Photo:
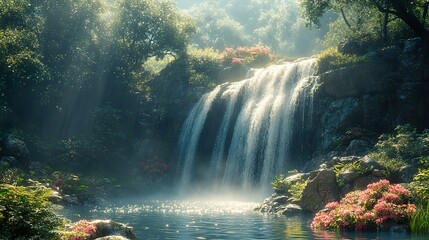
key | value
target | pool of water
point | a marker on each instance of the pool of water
(173, 219)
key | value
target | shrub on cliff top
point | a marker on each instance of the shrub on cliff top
(331, 58)
(257, 56)
(380, 204)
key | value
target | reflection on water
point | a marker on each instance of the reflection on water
(214, 220)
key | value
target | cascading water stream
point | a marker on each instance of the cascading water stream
(253, 122)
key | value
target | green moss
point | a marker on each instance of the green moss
(331, 58)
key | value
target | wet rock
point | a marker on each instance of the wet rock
(321, 188)
(112, 238)
(358, 148)
(296, 178)
(281, 199)
(290, 210)
(108, 228)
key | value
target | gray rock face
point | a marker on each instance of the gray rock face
(321, 188)
(355, 80)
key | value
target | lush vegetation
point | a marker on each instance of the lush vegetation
(292, 188)
(404, 145)
(26, 213)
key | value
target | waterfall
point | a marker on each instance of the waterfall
(239, 134)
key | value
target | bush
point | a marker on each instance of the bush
(395, 150)
(380, 204)
(257, 56)
(293, 189)
(331, 58)
(419, 186)
(26, 213)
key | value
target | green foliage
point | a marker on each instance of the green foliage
(9, 175)
(331, 58)
(394, 150)
(279, 184)
(390, 167)
(204, 65)
(276, 24)
(419, 186)
(355, 166)
(368, 20)
(404, 144)
(25, 213)
(294, 189)
(419, 222)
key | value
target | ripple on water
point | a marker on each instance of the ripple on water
(214, 220)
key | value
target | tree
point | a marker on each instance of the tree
(216, 28)
(22, 72)
(405, 10)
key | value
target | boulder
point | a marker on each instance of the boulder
(353, 47)
(358, 148)
(289, 210)
(348, 176)
(114, 237)
(13, 147)
(110, 228)
(321, 188)
(406, 173)
(369, 163)
(362, 183)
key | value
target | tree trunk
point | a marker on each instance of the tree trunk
(384, 28)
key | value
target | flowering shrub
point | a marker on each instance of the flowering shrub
(381, 203)
(153, 167)
(258, 56)
(80, 230)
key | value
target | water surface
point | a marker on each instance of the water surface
(173, 219)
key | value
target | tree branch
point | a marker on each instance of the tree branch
(385, 10)
(345, 19)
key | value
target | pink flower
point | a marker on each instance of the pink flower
(332, 205)
(237, 60)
